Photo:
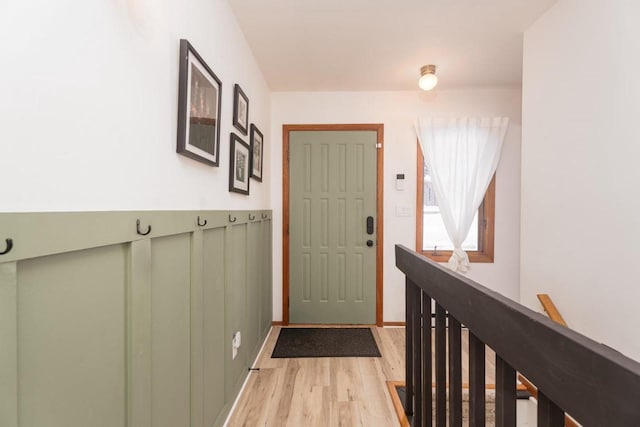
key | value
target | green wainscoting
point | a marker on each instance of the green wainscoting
(102, 326)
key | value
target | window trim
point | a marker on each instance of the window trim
(486, 215)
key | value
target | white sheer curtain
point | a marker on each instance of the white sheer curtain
(462, 155)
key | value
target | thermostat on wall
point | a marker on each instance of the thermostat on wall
(400, 181)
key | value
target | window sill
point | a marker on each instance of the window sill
(474, 256)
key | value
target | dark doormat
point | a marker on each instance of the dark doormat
(325, 342)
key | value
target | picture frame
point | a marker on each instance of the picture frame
(239, 165)
(199, 102)
(256, 142)
(240, 109)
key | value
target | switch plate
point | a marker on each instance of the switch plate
(403, 210)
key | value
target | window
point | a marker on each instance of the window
(431, 236)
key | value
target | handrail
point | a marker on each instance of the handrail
(554, 314)
(593, 383)
(551, 309)
(533, 391)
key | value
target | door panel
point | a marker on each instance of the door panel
(332, 191)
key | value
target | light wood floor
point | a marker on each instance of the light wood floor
(328, 391)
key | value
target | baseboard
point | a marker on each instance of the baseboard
(393, 323)
(277, 323)
(246, 380)
(329, 325)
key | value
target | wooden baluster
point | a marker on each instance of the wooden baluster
(505, 394)
(417, 355)
(427, 355)
(549, 414)
(441, 367)
(409, 347)
(455, 373)
(477, 393)
(538, 347)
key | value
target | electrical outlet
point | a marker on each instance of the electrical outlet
(236, 341)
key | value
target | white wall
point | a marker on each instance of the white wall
(580, 175)
(398, 111)
(88, 105)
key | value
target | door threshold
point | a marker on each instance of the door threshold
(328, 325)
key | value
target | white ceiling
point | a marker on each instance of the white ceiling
(338, 45)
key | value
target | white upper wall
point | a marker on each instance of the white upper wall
(398, 112)
(88, 105)
(580, 222)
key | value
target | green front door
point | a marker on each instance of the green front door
(332, 192)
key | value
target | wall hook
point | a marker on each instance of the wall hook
(251, 217)
(9, 243)
(140, 232)
(198, 222)
(232, 219)
(265, 216)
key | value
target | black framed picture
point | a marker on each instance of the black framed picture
(239, 165)
(256, 153)
(240, 109)
(199, 98)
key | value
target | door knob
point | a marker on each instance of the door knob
(369, 243)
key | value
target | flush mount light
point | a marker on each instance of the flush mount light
(428, 79)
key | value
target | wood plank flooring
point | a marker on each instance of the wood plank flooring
(346, 391)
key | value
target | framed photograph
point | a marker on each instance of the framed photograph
(239, 165)
(240, 109)
(199, 98)
(256, 153)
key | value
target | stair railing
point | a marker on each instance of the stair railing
(554, 314)
(593, 383)
(551, 309)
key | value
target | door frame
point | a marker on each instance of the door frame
(379, 128)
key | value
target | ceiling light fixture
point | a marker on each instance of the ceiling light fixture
(428, 79)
